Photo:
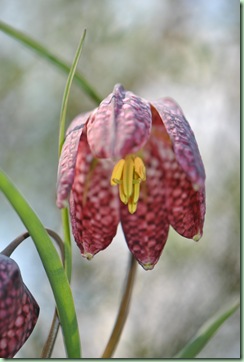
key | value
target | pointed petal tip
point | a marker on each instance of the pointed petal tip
(88, 256)
(197, 237)
(147, 266)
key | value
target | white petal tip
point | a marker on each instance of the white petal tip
(147, 266)
(88, 256)
(197, 237)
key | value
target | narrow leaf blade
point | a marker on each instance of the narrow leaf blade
(52, 58)
(205, 333)
(62, 127)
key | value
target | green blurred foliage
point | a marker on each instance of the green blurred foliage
(186, 49)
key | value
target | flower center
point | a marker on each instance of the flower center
(128, 174)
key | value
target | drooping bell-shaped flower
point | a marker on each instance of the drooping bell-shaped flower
(18, 309)
(134, 162)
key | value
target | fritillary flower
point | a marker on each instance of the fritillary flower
(134, 162)
(18, 309)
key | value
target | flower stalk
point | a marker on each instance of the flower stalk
(122, 312)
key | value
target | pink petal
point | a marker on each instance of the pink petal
(186, 206)
(146, 230)
(93, 203)
(66, 167)
(18, 309)
(183, 139)
(120, 125)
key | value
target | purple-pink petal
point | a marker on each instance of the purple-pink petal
(185, 204)
(183, 140)
(120, 125)
(93, 203)
(66, 167)
(173, 193)
(18, 309)
(147, 229)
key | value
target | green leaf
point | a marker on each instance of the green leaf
(52, 264)
(62, 127)
(205, 333)
(46, 54)
(67, 92)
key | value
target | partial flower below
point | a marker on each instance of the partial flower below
(18, 309)
(134, 162)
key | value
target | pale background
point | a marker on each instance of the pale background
(186, 49)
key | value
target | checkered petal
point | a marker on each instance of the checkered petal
(120, 125)
(146, 230)
(18, 309)
(183, 140)
(185, 204)
(66, 167)
(93, 203)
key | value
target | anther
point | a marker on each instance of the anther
(117, 172)
(128, 174)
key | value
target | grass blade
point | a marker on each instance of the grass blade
(46, 54)
(205, 333)
(62, 127)
(67, 92)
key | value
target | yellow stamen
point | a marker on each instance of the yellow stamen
(136, 193)
(117, 172)
(128, 174)
(140, 169)
(122, 196)
(132, 207)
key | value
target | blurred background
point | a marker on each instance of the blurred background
(185, 49)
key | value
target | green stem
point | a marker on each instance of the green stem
(51, 263)
(45, 53)
(123, 311)
(67, 243)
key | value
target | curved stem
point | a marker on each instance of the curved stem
(50, 341)
(17, 241)
(123, 311)
(14, 244)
